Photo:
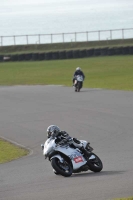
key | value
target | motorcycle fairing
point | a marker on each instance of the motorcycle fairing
(48, 146)
(79, 78)
(76, 157)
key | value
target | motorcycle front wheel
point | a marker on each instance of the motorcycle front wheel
(95, 164)
(65, 169)
(79, 86)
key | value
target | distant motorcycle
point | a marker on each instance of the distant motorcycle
(78, 83)
(66, 160)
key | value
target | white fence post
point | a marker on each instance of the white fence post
(1, 40)
(87, 35)
(122, 33)
(14, 40)
(27, 38)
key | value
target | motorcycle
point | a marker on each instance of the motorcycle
(66, 160)
(78, 82)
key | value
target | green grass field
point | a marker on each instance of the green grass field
(128, 198)
(10, 152)
(114, 72)
(13, 49)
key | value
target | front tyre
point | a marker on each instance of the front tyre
(55, 172)
(65, 169)
(79, 85)
(95, 164)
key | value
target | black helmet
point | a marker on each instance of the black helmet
(53, 130)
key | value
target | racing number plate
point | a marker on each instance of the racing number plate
(78, 159)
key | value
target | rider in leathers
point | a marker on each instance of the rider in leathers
(62, 136)
(78, 72)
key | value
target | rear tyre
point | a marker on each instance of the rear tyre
(95, 164)
(65, 169)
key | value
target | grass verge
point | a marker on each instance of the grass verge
(9, 152)
(127, 198)
(64, 46)
(114, 72)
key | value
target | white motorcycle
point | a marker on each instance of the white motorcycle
(78, 82)
(66, 159)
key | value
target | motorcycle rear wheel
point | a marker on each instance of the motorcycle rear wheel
(65, 169)
(96, 164)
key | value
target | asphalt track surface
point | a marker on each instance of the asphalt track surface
(103, 117)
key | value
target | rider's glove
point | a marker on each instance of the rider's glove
(69, 138)
(66, 140)
(62, 142)
(64, 133)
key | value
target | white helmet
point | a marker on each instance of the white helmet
(78, 68)
(52, 130)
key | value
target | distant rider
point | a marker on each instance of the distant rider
(78, 72)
